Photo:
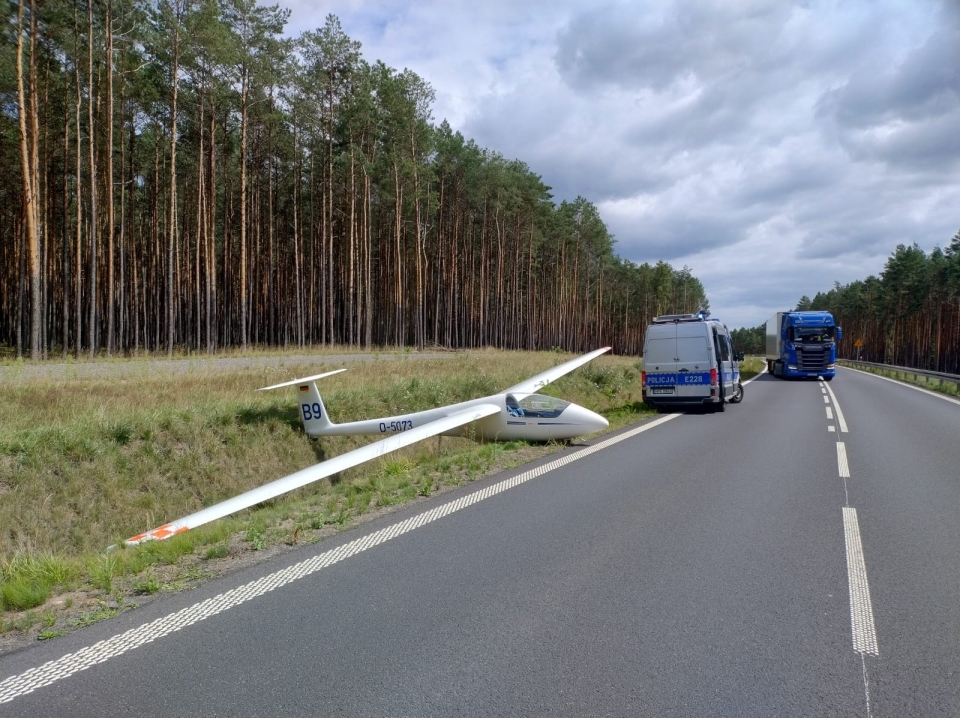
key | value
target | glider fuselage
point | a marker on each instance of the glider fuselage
(528, 417)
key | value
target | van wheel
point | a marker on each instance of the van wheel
(737, 394)
(721, 406)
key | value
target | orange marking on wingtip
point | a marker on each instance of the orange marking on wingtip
(161, 533)
(182, 529)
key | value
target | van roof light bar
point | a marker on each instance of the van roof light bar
(668, 318)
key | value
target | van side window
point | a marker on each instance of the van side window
(724, 348)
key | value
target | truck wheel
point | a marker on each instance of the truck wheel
(737, 394)
(828, 378)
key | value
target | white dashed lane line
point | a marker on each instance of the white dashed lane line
(863, 627)
(836, 404)
(842, 460)
(861, 607)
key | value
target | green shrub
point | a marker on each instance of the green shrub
(103, 569)
(21, 594)
(218, 551)
(147, 585)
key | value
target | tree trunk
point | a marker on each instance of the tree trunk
(29, 171)
(172, 221)
(93, 329)
(111, 295)
(243, 208)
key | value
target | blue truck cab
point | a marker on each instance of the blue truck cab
(802, 344)
(689, 360)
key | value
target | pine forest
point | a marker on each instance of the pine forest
(182, 176)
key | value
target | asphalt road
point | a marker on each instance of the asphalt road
(703, 565)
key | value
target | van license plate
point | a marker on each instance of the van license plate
(663, 390)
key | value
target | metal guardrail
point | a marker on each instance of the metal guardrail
(906, 371)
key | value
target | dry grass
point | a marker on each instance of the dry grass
(86, 462)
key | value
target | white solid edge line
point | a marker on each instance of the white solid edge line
(836, 404)
(937, 394)
(842, 464)
(861, 607)
(118, 644)
(757, 376)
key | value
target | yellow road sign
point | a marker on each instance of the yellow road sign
(858, 343)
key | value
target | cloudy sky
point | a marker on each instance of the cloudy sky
(774, 147)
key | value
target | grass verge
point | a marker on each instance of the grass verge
(751, 366)
(942, 386)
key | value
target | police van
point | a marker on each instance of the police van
(689, 360)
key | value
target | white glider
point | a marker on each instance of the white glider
(516, 413)
(524, 414)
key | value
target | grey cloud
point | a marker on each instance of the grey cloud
(794, 180)
(931, 145)
(710, 119)
(575, 160)
(926, 83)
(655, 45)
(674, 235)
(905, 114)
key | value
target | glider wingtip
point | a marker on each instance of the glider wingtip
(292, 382)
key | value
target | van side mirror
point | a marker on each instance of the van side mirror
(839, 333)
(739, 356)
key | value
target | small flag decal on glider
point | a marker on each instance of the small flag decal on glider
(304, 388)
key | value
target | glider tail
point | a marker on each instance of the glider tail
(313, 414)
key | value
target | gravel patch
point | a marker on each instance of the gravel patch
(145, 367)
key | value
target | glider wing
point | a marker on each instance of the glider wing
(531, 385)
(315, 473)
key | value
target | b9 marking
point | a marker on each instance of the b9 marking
(311, 411)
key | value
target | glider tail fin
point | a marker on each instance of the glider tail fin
(313, 414)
